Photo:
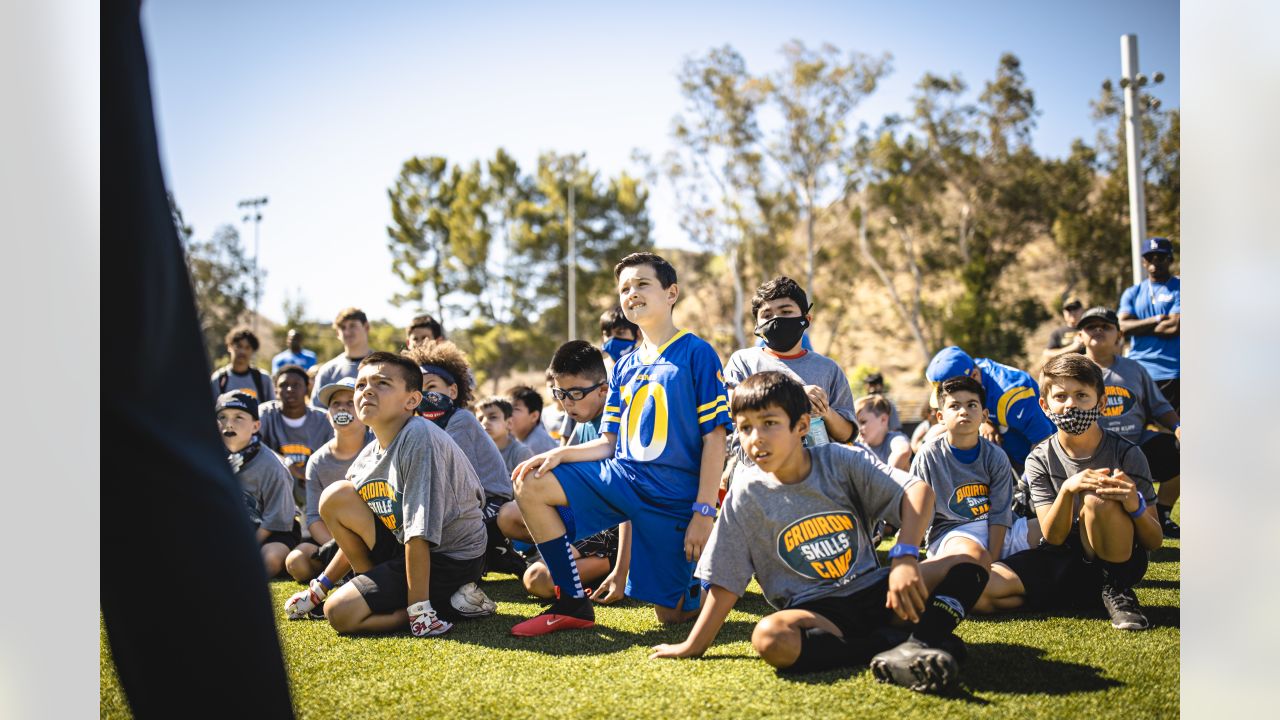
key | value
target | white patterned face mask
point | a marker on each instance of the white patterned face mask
(1075, 421)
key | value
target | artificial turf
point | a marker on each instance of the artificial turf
(1020, 666)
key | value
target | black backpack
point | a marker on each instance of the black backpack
(224, 375)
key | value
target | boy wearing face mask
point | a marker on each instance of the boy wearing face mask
(618, 335)
(781, 309)
(1092, 493)
(326, 466)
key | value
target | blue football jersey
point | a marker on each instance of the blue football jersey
(1013, 401)
(661, 405)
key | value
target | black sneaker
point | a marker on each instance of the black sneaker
(917, 666)
(1126, 613)
(505, 560)
(1171, 529)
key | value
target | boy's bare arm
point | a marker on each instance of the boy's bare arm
(719, 602)
(261, 534)
(1169, 327)
(417, 569)
(907, 591)
(995, 539)
(614, 585)
(695, 538)
(598, 449)
(1056, 518)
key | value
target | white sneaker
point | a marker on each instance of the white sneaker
(470, 601)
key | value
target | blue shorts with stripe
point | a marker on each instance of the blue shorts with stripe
(604, 493)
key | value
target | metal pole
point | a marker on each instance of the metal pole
(257, 276)
(1131, 81)
(573, 272)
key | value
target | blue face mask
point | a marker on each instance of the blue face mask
(617, 347)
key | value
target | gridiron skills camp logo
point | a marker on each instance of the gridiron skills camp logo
(381, 499)
(821, 546)
(296, 454)
(971, 501)
(1118, 401)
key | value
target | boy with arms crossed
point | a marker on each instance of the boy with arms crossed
(406, 519)
(1092, 492)
(263, 478)
(800, 521)
(665, 415)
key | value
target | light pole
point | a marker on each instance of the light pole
(1131, 81)
(573, 269)
(254, 213)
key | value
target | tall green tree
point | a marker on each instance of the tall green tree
(222, 281)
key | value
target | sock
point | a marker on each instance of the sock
(564, 571)
(950, 601)
(820, 650)
(1163, 511)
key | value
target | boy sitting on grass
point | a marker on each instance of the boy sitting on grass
(800, 520)
(891, 447)
(267, 485)
(972, 481)
(657, 463)
(494, 415)
(444, 373)
(407, 520)
(1091, 490)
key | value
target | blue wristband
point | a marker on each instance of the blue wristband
(1142, 507)
(326, 582)
(904, 550)
(704, 509)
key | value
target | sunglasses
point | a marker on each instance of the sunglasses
(574, 393)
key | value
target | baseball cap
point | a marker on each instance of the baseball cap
(1104, 314)
(1071, 301)
(1157, 245)
(239, 401)
(948, 363)
(326, 393)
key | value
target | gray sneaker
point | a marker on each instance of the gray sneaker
(917, 666)
(1122, 605)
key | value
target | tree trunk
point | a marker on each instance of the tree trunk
(912, 320)
(738, 333)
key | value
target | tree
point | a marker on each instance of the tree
(222, 281)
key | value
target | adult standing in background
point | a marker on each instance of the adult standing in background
(1151, 317)
(294, 354)
(352, 328)
(1066, 338)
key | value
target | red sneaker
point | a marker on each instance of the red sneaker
(564, 614)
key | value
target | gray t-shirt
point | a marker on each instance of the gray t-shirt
(965, 492)
(268, 491)
(479, 448)
(809, 369)
(1133, 399)
(224, 381)
(514, 453)
(332, 371)
(1049, 466)
(296, 444)
(423, 486)
(540, 441)
(808, 540)
(883, 450)
(323, 470)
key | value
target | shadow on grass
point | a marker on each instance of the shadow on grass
(1160, 584)
(1022, 670)
(1166, 553)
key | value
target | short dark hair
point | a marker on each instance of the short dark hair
(450, 358)
(578, 357)
(242, 333)
(776, 289)
(666, 274)
(962, 383)
(530, 398)
(771, 387)
(1074, 366)
(350, 313)
(291, 368)
(428, 322)
(503, 405)
(408, 371)
(613, 319)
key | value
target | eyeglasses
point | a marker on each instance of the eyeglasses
(575, 393)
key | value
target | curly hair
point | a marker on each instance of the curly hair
(448, 357)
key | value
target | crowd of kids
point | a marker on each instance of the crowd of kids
(384, 485)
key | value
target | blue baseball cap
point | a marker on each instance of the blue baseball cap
(948, 363)
(325, 396)
(1157, 245)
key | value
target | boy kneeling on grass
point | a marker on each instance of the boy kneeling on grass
(801, 521)
(1091, 490)
(407, 519)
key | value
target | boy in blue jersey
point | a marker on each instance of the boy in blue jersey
(657, 463)
(1017, 422)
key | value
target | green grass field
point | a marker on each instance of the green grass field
(1020, 666)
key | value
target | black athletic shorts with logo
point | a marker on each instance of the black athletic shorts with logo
(857, 615)
(1059, 576)
(386, 589)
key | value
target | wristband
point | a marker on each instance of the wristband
(704, 509)
(326, 582)
(904, 550)
(1142, 507)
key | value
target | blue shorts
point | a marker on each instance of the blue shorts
(604, 493)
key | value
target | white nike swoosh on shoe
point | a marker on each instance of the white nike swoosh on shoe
(553, 622)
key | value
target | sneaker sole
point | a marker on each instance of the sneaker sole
(547, 624)
(927, 671)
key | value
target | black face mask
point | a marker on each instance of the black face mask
(782, 333)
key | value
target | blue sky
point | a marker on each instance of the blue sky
(316, 105)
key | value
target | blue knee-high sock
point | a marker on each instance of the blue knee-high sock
(558, 556)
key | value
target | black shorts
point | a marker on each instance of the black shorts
(603, 544)
(857, 615)
(492, 504)
(386, 589)
(1169, 388)
(1163, 456)
(289, 538)
(1059, 577)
